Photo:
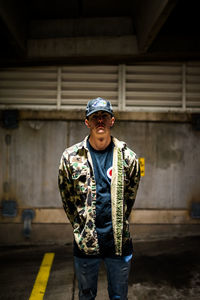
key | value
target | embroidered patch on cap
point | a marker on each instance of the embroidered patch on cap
(99, 102)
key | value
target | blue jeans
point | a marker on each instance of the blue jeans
(117, 275)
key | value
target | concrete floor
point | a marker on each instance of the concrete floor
(166, 269)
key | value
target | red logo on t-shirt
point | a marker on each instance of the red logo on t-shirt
(109, 172)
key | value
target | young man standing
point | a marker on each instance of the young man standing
(98, 181)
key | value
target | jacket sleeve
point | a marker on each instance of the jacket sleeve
(65, 184)
(132, 185)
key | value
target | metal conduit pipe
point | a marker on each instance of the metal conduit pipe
(27, 217)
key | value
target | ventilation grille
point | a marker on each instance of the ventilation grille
(163, 87)
(193, 86)
(28, 87)
(154, 86)
(80, 84)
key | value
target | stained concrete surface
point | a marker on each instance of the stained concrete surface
(171, 152)
(164, 269)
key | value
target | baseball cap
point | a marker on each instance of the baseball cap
(98, 104)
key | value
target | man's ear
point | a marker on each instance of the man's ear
(112, 121)
(87, 123)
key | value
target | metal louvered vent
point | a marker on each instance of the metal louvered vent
(154, 86)
(28, 87)
(79, 84)
(158, 87)
(193, 86)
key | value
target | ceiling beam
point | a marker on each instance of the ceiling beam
(81, 27)
(82, 47)
(149, 17)
(14, 23)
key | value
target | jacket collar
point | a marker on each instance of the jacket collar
(119, 144)
(83, 144)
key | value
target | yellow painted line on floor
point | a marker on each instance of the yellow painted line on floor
(42, 277)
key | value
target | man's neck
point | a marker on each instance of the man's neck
(100, 143)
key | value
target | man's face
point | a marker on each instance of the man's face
(100, 122)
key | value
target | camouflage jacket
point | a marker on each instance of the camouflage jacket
(78, 192)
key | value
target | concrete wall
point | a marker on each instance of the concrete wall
(171, 152)
(29, 168)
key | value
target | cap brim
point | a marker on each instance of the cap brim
(99, 109)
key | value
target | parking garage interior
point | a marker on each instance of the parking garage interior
(143, 56)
